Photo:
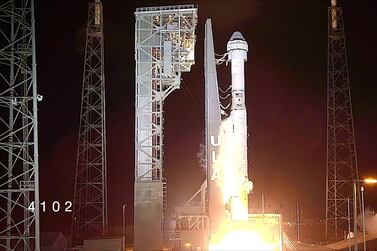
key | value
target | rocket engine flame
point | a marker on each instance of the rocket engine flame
(235, 233)
(238, 240)
(228, 174)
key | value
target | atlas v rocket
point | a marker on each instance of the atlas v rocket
(218, 209)
(237, 48)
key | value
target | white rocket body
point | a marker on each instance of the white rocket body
(237, 48)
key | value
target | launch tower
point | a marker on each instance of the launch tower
(89, 218)
(164, 46)
(341, 150)
(19, 169)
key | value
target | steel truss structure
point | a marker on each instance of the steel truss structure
(164, 45)
(342, 168)
(19, 172)
(89, 219)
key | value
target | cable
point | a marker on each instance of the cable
(225, 97)
(230, 86)
(191, 97)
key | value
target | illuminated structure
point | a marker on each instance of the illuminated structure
(227, 174)
(19, 175)
(216, 206)
(89, 218)
(164, 45)
(216, 217)
(192, 222)
(341, 150)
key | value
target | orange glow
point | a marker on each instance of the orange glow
(243, 235)
(238, 232)
(370, 181)
(235, 187)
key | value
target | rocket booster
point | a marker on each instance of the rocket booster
(237, 48)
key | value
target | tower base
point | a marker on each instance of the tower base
(148, 216)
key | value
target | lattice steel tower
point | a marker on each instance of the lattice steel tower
(89, 219)
(341, 150)
(164, 45)
(19, 180)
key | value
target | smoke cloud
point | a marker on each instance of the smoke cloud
(370, 221)
(201, 156)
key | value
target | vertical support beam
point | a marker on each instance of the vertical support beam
(89, 218)
(35, 134)
(164, 46)
(19, 172)
(342, 167)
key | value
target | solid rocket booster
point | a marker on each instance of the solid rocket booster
(237, 48)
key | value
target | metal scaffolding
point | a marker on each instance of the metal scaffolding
(164, 45)
(89, 219)
(341, 150)
(19, 172)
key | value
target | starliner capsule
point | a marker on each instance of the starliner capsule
(237, 49)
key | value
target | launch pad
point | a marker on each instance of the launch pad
(260, 232)
(218, 215)
(165, 39)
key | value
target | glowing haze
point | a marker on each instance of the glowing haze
(236, 232)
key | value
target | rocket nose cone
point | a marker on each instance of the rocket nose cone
(237, 36)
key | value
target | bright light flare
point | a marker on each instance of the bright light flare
(242, 236)
(241, 240)
(370, 181)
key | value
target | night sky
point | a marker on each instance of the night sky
(285, 94)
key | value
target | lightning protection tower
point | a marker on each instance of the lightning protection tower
(89, 218)
(341, 151)
(19, 172)
(164, 45)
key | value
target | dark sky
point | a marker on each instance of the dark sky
(285, 92)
